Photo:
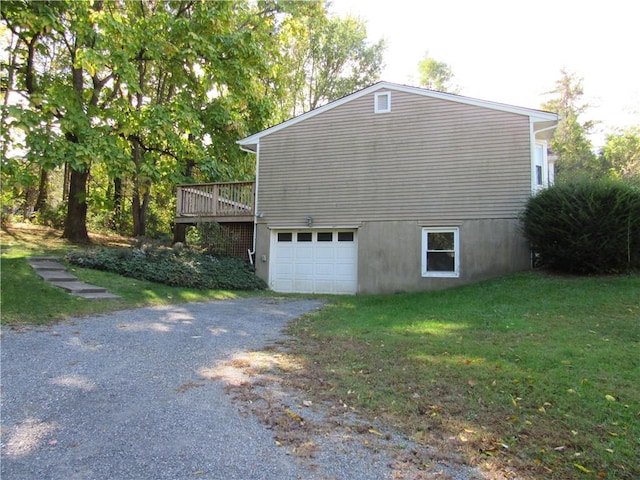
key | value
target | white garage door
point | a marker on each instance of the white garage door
(313, 261)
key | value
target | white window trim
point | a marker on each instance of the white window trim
(535, 187)
(456, 245)
(376, 102)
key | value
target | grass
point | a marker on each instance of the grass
(26, 298)
(530, 376)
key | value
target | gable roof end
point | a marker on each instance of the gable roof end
(250, 143)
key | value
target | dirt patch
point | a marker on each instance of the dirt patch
(275, 387)
(47, 238)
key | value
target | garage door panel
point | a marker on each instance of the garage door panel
(303, 269)
(326, 270)
(325, 252)
(314, 262)
(303, 286)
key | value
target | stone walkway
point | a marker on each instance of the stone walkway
(53, 272)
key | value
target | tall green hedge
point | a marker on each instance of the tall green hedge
(585, 227)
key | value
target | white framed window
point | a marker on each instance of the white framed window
(440, 252)
(540, 173)
(382, 102)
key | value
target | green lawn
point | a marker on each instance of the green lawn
(532, 373)
(26, 298)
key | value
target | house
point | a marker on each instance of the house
(396, 188)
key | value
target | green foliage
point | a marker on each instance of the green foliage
(26, 298)
(176, 266)
(323, 59)
(154, 94)
(620, 157)
(52, 216)
(436, 75)
(570, 142)
(585, 227)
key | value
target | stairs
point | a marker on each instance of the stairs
(53, 272)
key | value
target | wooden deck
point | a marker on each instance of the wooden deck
(215, 202)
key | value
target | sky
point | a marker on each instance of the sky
(513, 51)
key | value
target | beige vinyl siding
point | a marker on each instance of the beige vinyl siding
(426, 159)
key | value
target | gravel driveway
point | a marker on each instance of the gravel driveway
(123, 396)
(136, 395)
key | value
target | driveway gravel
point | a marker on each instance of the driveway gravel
(134, 395)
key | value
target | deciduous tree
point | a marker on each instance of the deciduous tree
(436, 75)
(325, 58)
(620, 156)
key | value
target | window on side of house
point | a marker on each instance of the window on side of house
(441, 252)
(540, 172)
(382, 102)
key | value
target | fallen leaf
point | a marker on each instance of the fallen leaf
(293, 415)
(374, 431)
(602, 474)
(581, 468)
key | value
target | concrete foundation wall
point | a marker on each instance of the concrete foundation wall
(390, 252)
(263, 242)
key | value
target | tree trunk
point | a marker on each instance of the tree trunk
(43, 191)
(66, 181)
(139, 200)
(75, 225)
(117, 204)
(139, 206)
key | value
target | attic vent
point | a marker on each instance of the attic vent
(382, 102)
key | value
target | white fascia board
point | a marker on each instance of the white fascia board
(535, 115)
(254, 139)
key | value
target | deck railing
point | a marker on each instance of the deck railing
(232, 199)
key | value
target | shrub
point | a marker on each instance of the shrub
(178, 267)
(585, 227)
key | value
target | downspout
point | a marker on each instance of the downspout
(544, 130)
(255, 202)
(532, 155)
